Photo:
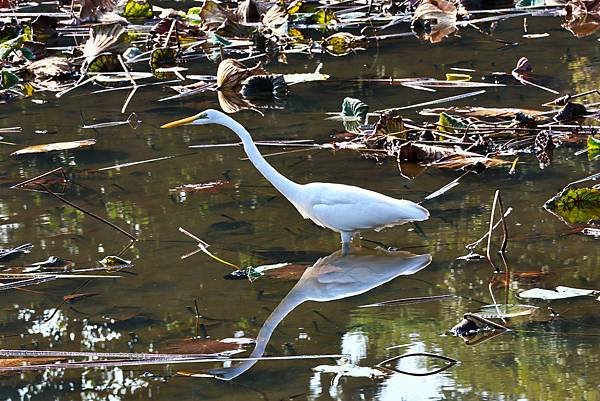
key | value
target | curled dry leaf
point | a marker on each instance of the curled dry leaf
(102, 37)
(582, 17)
(231, 74)
(435, 20)
(92, 10)
(52, 147)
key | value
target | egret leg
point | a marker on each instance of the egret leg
(346, 240)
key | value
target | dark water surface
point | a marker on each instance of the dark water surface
(249, 223)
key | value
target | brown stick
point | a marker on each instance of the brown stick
(60, 198)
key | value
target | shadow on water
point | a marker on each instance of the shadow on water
(330, 278)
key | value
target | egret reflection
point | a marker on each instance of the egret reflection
(331, 278)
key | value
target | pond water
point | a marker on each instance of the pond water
(248, 223)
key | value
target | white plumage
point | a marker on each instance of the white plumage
(342, 208)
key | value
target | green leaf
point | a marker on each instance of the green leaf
(447, 123)
(355, 108)
(10, 45)
(218, 40)
(105, 62)
(579, 205)
(323, 17)
(9, 79)
(138, 9)
(27, 53)
(593, 146)
(163, 57)
(193, 16)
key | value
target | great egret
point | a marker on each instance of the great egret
(342, 208)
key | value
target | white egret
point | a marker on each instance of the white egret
(342, 208)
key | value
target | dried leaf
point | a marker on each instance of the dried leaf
(102, 38)
(11, 253)
(57, 146)
(232, 73)
(434, 20)
(582, 17)
(92, 10)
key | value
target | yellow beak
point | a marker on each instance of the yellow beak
(183, 121)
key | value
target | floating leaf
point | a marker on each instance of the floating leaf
(11, 45)
(449, 124)
(354, 109)
(434, 20)
(193, 16)
(582, 17)
(458, 77)
(11, 253)
(106, 62)
(571, 111)
(114, 261)
(390, 123)
(561, 292)
(324, 16)
(9, 79)
(342, 43)
(52, 147)
(138, 9)
(593, 146)
(578, 205)
(161, 58)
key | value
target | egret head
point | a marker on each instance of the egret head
(208, 116)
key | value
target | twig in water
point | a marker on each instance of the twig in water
(203, 247)
(489, 240)
(60, 198)
(472, 245)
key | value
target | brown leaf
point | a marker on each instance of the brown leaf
(92, 10)
(51, 147)
(232, 73)
(434, 20)
(582, 17)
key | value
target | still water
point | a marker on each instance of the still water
(248, 223)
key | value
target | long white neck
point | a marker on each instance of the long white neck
(284, 185)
